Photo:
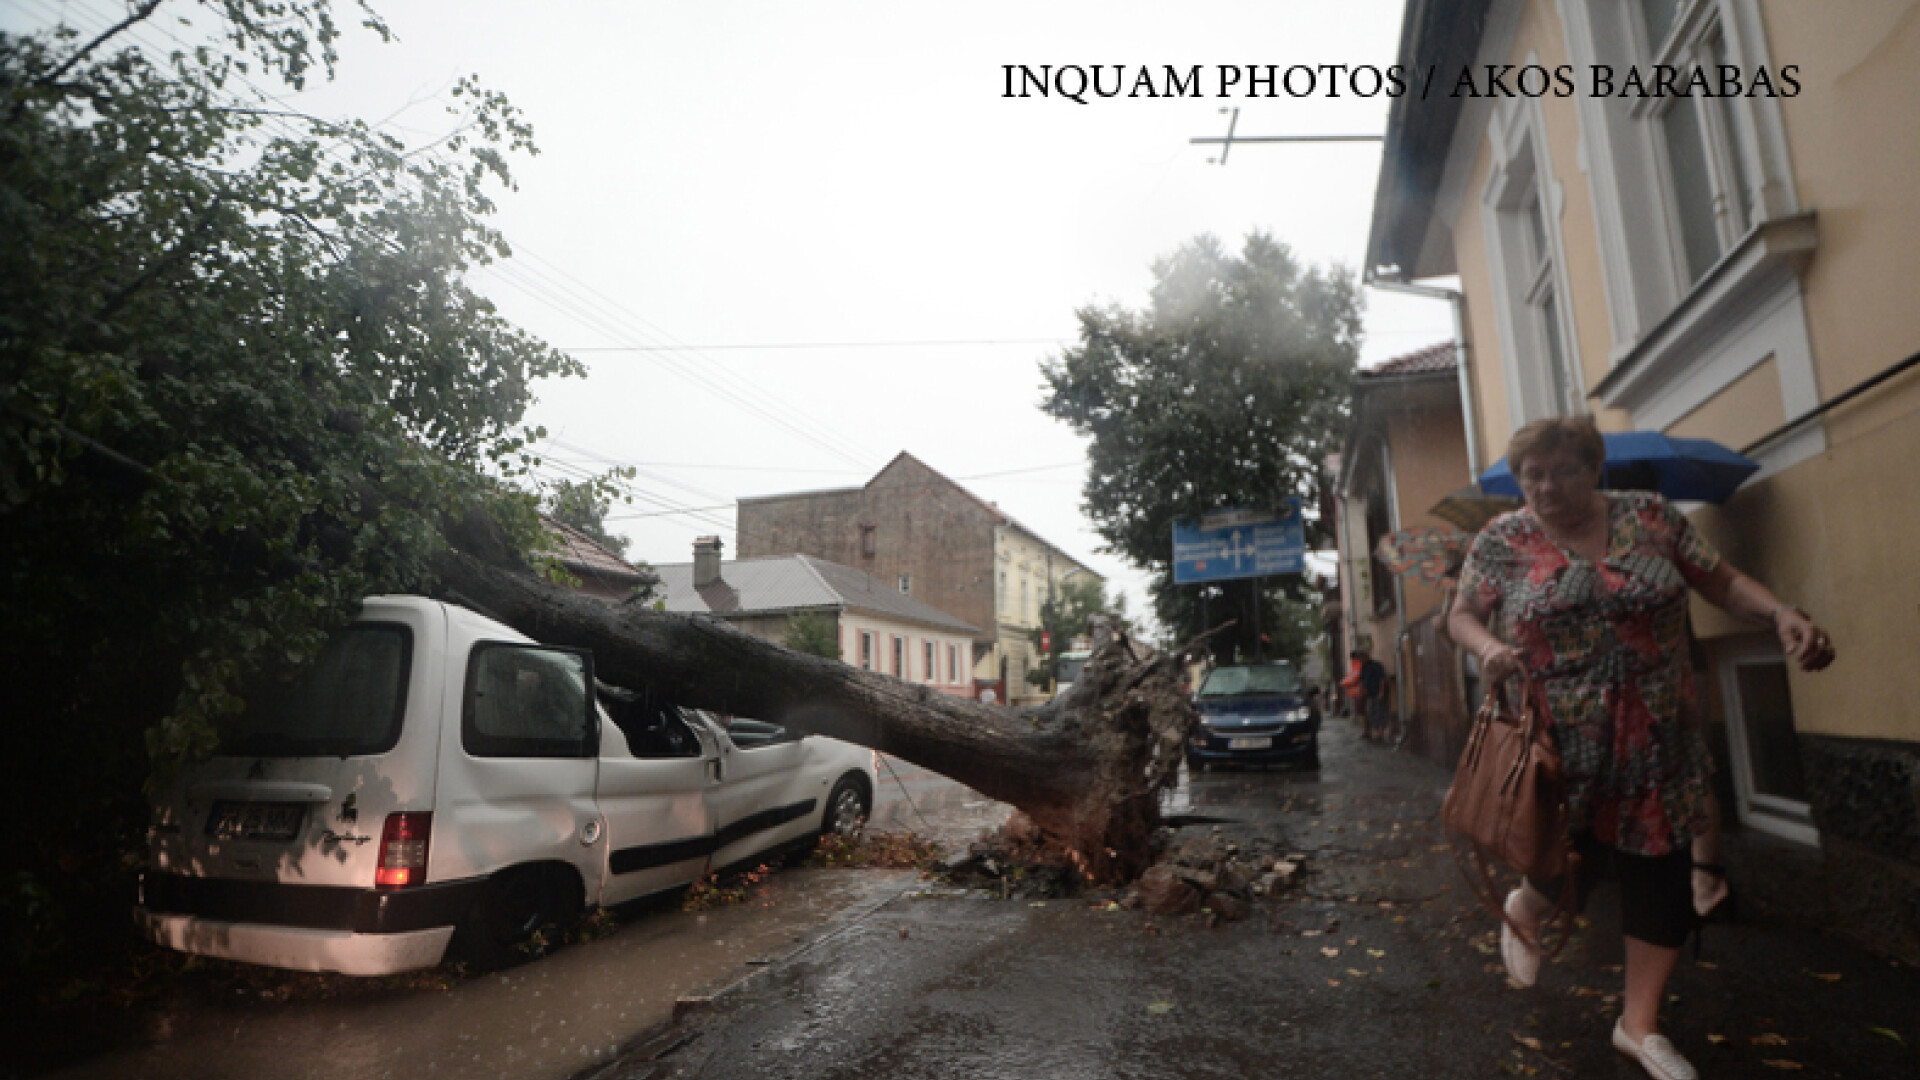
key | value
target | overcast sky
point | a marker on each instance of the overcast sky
(848, 241)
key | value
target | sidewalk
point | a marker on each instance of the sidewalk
(1377, 965)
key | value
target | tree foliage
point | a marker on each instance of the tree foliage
(242, 379)
(814, 633)
(583, 505)
(1063, 617)
(1227, 390)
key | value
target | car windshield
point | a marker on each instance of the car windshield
(1263, 679)
(1071, 665)
(349, 702)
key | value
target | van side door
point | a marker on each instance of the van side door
(653, 793)
(761, 799)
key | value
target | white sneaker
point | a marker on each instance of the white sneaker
(1521, 956)
(1655, 1054)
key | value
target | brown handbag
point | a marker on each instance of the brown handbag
(1508, 806)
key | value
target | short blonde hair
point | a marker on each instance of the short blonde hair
(1547, 436)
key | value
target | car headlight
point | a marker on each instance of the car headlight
(1299, 714)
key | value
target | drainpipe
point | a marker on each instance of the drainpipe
(1458, 303)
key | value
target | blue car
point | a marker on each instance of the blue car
(1255, 714)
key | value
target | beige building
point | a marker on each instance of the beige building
(1736, 267)
(1404, 452)
(877, 627)
(938, 543)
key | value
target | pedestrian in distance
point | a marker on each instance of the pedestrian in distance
(1373, 695)
(1583, 593)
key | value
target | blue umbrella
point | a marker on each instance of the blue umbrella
(1697, 470)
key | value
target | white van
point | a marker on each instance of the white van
(439, 772)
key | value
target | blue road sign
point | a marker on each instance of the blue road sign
(1231, 544)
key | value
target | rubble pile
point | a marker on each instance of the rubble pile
(1213, 875)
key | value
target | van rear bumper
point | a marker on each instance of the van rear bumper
(310, 907)
(297, 948)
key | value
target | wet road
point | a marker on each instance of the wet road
(553, 1017)
(1375, 967)
(912, 799)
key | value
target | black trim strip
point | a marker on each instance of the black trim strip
(315, 907)
(648, 856)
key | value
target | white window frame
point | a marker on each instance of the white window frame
(869, 647)
(953, 663)
(1678, 340)
(1785, 818)
(1527, 276)
(931, 668)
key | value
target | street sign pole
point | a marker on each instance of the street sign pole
(1259, 646)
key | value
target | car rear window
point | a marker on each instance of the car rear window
(1265, 679)
(350, 702)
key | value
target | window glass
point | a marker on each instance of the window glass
(1253, 679)
(1537, 231)
(350, 702)
(929, 669)
(1660, 15)
(1692, 186)
(527, 702)
(1766, 709)
(1556, 354)
(755, 734)
(1736, 144)
(654, 728)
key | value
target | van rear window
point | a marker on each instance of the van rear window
(350, 702)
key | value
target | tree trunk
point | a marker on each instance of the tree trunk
(1088, 770)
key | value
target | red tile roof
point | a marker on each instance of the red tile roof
(579, 553)
(1435, 357)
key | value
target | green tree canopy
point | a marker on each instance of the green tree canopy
(814, 633)
(242, 383)
(1227, 390)
(583, 505)
(1063, 617)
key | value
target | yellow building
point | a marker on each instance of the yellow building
(1404, 452)
(1726, 255)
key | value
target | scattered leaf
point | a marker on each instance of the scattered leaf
(1587, 991)
(1311, 933)
(1707, 964)
(1329, 951)
(1356, 973)
(1771, 1038)
(1889, 1033)
(1333, 982)
(1159, 1008)
(1527, 1041)
(1781, 1063)
(1717, 1040)
(1825, 976)
(1376, 953)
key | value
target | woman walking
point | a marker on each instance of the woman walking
(1586, 592)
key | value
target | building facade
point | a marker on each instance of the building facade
(1404, 452)
(877, 627)
(936, 542)
(1733, 265)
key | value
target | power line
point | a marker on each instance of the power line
(772, 345)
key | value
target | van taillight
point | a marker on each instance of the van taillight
(403, 850)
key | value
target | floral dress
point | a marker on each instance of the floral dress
(1606, 646)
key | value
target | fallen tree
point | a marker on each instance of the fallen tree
(1087, 769)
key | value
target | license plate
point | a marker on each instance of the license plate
(1259, 742)
(278, 822)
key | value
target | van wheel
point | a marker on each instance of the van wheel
(515, 906)
(847, 808)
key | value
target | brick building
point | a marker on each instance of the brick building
(934, 541)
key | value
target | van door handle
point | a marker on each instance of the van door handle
(714, 769)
